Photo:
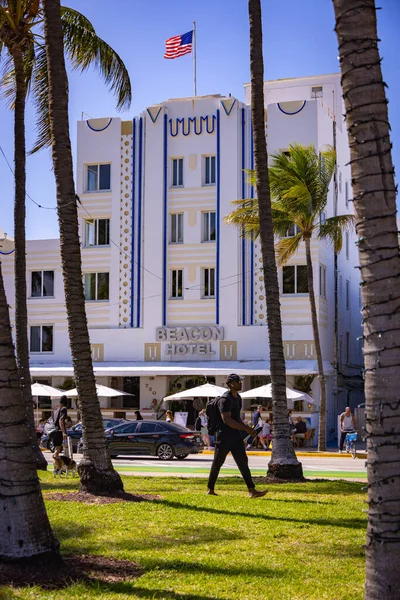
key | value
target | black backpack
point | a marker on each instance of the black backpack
(197, 425)
(215, 422)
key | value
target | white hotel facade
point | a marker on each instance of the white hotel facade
(173, 292)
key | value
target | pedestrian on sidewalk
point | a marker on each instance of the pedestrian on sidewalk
(229, 439)
(347, 425)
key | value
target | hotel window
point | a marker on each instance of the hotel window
(340, 181)
(97, 286)
(97, 232)
(208, 283)
(340, 286)
(347, 244)
(209, 170)
(322, 281)
(292, 231)
(317, 91)
(42, 284)
(98, 178)
(177, 172)
(41, 338)
(347, 294)
(208, 227)
(176, 236)
(347, 347)
(346, 193)
(177, 283)
(294, 279)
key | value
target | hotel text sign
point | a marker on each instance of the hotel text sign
(190, 340)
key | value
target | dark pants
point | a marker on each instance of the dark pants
(343, 437)
(223, 445)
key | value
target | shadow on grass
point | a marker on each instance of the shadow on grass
(71, 531)
(346, 523)
(185, 536)
(58, 486)
(182, 567)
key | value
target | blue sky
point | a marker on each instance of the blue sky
(298, 40)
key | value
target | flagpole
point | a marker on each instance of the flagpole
(194, 58)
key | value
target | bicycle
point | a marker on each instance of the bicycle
(350, 443)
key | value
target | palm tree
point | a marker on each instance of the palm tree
(16, 37)
(284, 463)
(96, 470)
(374, 197)
(24, 527)
(299, 182)
(21, 36)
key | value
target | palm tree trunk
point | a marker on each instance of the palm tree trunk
(21, 312)
(96, 471)
(374, 196)
(283, 464)
(24, 527)
(317, 344)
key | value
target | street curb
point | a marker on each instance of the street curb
(362, 455)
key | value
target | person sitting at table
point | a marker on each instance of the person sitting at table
(299, 432)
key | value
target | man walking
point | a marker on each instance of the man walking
(228, 437)
(60, 432)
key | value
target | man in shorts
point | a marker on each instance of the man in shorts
(60, 432)
(228, 437)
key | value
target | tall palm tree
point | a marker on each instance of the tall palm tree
(96, 470)
(21, 29)
(284, 463)
(299, 183)
(24, 527)
(374, 197)
(16, 37)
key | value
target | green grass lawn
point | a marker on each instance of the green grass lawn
(302, 541)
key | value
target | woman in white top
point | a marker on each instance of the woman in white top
(347, 424)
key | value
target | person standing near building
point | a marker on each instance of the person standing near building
(228, 437)
(347, 425)
(60, 431)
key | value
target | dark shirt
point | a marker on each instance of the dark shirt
(300, 427)
(256, 416)
(229, 403)
(60, 415)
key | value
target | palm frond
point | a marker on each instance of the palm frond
(84, 48)
(246, 217)
(286, 247)
(332, 230)
(40, 93)
(7, 76)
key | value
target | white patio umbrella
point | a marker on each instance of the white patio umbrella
(265, 391)
(40, 389)
(207, 390)
(102, 390)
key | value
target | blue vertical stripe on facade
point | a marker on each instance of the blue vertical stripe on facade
(252, 238)
(133, 220)
(243, 239)
(164, 309)
(139, 225)
(218, 216)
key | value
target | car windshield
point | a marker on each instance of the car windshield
(125, 427)
(175, 427)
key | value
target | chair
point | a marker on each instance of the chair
(309, 437)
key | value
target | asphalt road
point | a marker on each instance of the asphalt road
(342, 467)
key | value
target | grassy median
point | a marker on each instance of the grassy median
(302, 541)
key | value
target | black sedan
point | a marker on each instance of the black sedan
(153, 438)
(75, 433)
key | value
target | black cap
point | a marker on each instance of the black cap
(233, 377)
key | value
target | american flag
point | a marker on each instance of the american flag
(179, 45)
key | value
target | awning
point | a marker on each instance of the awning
(152, 369)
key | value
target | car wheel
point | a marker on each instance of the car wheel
(182, 456)
(165, 452)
